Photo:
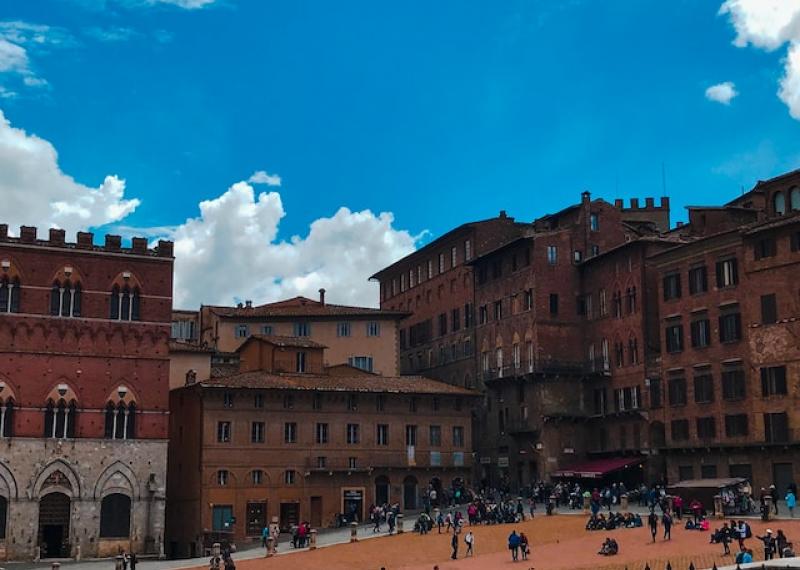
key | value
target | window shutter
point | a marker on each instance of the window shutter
(764, 382)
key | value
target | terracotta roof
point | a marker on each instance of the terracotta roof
(787, 220)
(302, 307)
(259, 379)
(176, 346)
(283, 341)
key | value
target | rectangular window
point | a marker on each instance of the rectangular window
(322, 433)
(483, 315)
(674, 338)
(227, 399)
(698, 280)
(679, 430)
(402, 282)
(302, 329)
(467, 250)
(553, 304)
(677, 391)
(730, 327)
(703, 388)
(353, 435)
(223, 432)
(527, 303)
(685, 472)
(373, 328)
(221, 515)
(795, 241)
(411, 435)
(352, 402)
(257, 432)
(595, 250)
(706, 428)
(727, 273)
(552, 254)
(458, 436)
(266, 329)
(430, 269)
(655, 393)
(316, 401)
(733, 384)
(362, 362)
(603, 303)
(701, 333)
(769, 309)
(765, 248)
(382, 434)
(242, 331)
(322, 462)
(300, 361)
(773, 381)
(672, 286)
(288, 401)
(498, 310)
(441, 263)
(412, 404)
(455, 319)
(290, 432)
(594, 222)
(412, 278)
(380, 403)
(776, 428)
(453, 256)
(436, 436)
(258, 400)
(442, 324)
(467, 315)
(736, 425)
(343, 329)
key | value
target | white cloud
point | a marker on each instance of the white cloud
(18, 39)
(111, 34)
(12, 57)
(261, 177)
(186, 4)
(231, 252)
(36, 192)
(722, 92)
(769, 24)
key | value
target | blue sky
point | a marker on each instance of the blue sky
(438, 112)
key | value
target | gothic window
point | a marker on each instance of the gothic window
(59, 419)
(120, 421)
(6, 421)
(125, 303)
(65, 299)
(9, 295)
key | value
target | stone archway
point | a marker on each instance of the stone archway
(410, 485)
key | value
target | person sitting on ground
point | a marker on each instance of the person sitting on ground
(609, 547)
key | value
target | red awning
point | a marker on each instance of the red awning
(597, 468)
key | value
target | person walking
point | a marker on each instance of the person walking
(440, 521)
(725, 537)
(769, 544)
(523, 545)
(124, 560)
(773, 493)
(652, 522)
(454, 544)
(513, 545)
(469, 540)
(791, 502)
(666, 520)
(132, 559)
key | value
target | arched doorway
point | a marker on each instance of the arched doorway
(410, 493)
(115, 516)
(54, 510)
(381, 490)
(3, 516)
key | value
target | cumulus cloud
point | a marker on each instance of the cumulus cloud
(261, 177)
(722, 92)
(36, 192)
(231, 251)
(17, 40)
(768, 25)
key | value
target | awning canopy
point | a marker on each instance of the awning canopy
(597, 468)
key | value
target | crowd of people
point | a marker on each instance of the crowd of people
(613, 520)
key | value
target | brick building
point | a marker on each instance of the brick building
(363, 337)
(434, 287)
(284, 437)
(84, 333)
(561, 339)
(725, 403)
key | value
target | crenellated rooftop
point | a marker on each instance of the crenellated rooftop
(28, 235)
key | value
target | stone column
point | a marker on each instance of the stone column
(353, 531)
(768, 506)
(312, 544)
(623, 503)
(400, 529)
(718, 507)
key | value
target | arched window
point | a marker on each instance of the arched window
(633, 350)
(115, 516)
(59, 420)
(794, 199)
(65, 299)
(7, 418)
(9, 295)
(125, 303)
(120, 421)
(779, 203)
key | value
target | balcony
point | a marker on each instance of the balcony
(396, 460)
(545, 366)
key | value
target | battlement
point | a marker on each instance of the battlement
(649, 205)
(28, 235)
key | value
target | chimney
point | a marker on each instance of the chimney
(165, 248)
(248, 303)
(57, 237)
(139, 245)
(503, 215)
(113, 243)
(618, 203)
(634, 203)
(586, 197)
(85, 240)
(27, 234)
(239, 306)
(322, 296)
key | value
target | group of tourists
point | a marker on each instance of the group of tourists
(386, 513)
(613, 520)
